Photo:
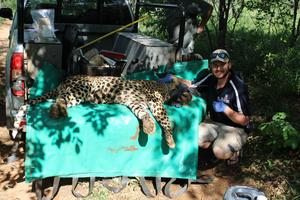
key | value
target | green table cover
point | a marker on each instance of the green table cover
(102, 140)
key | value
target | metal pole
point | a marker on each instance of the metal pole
(182, 29)
(20, 20)
(136, 16)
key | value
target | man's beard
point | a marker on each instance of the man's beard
(224, 76)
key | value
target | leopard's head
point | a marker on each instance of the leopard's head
(184, 98)
(179, 93)
(174, 84)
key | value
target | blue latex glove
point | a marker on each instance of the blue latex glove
(219, 106)
(167, 79)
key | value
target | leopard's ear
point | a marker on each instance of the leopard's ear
(185, 98)
(176, 81)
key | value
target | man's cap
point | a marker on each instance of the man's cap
(219, 55)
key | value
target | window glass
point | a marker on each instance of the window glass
(116, 11)
(77, 7)
(35, 4)
(110, 12)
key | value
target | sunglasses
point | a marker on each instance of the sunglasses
(220, 55)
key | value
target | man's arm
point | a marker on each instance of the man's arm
(183, 81)
(236, 117)
(200, 79)
(208, 9)
(241, 116)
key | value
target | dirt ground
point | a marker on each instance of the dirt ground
(13, 186)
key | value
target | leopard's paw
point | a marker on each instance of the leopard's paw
(54, 111)
(63, 110)
(148, 125)
(170, 141)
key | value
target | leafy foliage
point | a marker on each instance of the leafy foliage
(277, 13)
(282, 72)
(281, 133)
(9, 3)
(155, 26)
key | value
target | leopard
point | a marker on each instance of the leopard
(137, 95)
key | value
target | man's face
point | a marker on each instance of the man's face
(220, 69)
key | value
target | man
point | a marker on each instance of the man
(228, 106)
(227, 102)
(193, 9)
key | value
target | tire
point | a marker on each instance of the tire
(19, 136)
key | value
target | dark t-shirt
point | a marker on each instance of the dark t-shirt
(193, 8)
(234, 94)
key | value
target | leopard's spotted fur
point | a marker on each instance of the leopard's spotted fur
(138, 95)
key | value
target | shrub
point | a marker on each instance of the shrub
(281, 134)
(281, 70)
(9, 3)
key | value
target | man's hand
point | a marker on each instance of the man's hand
(167, 79)
(219, 106)
(200, 29)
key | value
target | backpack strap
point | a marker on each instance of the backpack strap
(39, 190)
(146, 189)
(124, 183)
(74, 185)
(179, 192)
(204, 179)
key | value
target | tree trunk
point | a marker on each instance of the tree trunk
(223, 18)
(295, 29)
(209, 39)
(237, 15)
(222, 25)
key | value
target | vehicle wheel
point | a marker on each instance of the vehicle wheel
(11, 135)
(19, 136)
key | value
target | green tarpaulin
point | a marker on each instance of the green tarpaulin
(102, 140)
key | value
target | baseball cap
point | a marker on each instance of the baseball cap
(219, 55)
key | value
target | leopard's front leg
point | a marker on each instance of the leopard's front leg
(160, 114)
(58, 108)
(62, 102)
(140, 111)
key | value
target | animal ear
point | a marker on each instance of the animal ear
(176, 81)
(185, 98)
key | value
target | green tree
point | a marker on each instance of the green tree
(278, 16)
(8, 3)
(225, 18)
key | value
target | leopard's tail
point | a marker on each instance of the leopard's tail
(44, 97)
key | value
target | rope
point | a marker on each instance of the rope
(113, 32)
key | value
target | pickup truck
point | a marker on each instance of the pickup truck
(68, 148)
(76, 23)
